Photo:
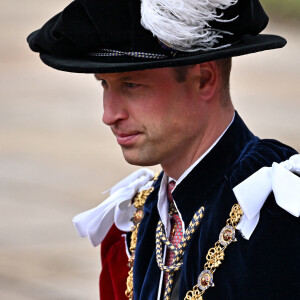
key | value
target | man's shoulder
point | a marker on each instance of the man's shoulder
(261, 153)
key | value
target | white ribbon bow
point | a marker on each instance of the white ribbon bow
(252, 193)
(117, 208)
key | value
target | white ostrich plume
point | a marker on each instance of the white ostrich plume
(183, 24)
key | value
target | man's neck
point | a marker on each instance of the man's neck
(180, 165)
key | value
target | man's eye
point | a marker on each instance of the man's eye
(131, 85)
(103, 83)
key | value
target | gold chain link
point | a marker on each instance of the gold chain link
(195, 294)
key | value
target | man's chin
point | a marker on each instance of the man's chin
(141, 163)
(138, 160)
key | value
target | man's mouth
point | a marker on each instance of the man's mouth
(125, 139)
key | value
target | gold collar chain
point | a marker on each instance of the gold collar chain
(215, 255)
(213, 258)
(138, 201)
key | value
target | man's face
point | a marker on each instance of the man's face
(155, 119)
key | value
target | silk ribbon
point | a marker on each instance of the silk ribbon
(117, 208)
(252, 193)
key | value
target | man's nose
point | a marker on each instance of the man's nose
(114, 108)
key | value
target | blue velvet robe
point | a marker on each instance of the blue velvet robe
(264, 267)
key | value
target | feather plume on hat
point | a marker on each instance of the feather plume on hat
(183, 24)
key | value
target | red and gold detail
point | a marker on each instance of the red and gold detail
(137, 216)
(227, 235)
(205, 280)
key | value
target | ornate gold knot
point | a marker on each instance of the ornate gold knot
(214, 257)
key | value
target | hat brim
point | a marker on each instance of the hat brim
(248, 44)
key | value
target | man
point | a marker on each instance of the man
(165, 68)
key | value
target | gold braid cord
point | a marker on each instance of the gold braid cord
(138, 201)
(215, 255)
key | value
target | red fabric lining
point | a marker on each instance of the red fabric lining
(115, 268)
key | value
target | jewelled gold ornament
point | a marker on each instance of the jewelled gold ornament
(137, 216)
(215, 255)
(205, 280)
(227, 235)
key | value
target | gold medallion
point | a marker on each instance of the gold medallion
(205, 280)
(227, 235)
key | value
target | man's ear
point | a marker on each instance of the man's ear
(208, 80)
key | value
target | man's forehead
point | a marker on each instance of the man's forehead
(120, 76)
(133, 74)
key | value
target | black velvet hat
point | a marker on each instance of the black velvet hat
(106, 36)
